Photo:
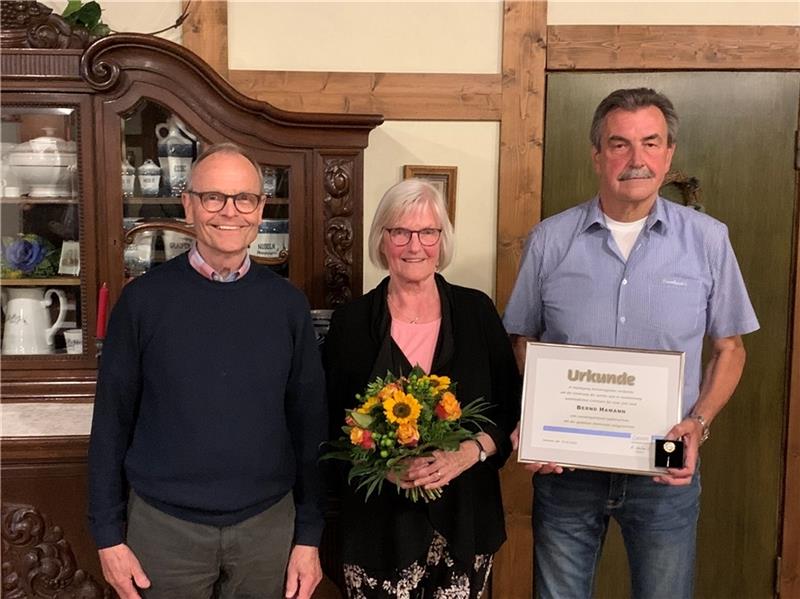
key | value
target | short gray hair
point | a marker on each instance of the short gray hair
(630, 100)
(398, 201)
(226, 147)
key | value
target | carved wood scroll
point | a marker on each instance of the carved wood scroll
(38, 561)
(27, 24)
(339, 234)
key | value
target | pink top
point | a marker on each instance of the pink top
(417, 341)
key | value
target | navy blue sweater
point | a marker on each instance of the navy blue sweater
(210, 402)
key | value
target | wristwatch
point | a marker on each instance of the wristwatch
(482, 455)
(704, 424)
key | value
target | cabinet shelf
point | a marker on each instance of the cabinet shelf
(63, 281)
(38, 200)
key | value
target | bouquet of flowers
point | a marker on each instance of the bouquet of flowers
(401, 418)
(28, 255)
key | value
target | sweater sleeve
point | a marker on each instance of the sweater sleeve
(115, 407)
(307, 416)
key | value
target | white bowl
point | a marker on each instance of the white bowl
(42, 159)
(51, 144)
(48, 143)
(45, 181)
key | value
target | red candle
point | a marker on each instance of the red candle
(102, 307)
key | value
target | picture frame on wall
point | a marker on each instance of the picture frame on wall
(442, 178)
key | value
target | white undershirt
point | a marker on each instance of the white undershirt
(625, 234)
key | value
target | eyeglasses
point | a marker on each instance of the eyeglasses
(214, 201)
(400, 236)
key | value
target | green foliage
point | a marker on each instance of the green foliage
(88, 16)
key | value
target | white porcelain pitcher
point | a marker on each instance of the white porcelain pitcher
(175, 153)
(27, 329)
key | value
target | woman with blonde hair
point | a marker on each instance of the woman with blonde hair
(391, 546)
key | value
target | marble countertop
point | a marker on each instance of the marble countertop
(45, 419)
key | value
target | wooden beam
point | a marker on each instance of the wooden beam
(397, 96)
(205, 32)
(518, 209)
(521, 135)
(672, 47)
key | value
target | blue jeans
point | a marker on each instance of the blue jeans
(570, 520)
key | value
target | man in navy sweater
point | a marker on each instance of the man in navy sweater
(209, 414)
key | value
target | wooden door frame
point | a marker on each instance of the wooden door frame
(516, 99)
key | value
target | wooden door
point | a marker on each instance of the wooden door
(737, 137)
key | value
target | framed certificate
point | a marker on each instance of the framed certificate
(599, 408)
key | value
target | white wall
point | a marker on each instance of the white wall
(414, 37)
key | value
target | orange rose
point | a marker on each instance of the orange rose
(388, 391)
(448, 407)
(362, 437)
(408, 434)
(356, 435)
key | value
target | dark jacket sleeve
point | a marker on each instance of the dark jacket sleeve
(115, 408)
(330, 349)
(506, 382)
(307, 417)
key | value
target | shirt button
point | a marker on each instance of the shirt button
(624, 281)
(622, 319)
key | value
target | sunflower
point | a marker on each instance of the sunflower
(367, 406)
(439, 383)
(401, 408)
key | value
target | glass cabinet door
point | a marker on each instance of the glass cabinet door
(40, 215)
(271, 246)
(152, 183)
(158, 150)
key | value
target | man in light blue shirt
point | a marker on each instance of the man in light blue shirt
(631, 269)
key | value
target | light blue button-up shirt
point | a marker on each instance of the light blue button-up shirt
(680, 282)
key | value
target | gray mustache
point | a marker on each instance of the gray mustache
(636, 173)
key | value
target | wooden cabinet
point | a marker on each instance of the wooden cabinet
(96, 114)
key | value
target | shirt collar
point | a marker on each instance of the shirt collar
(205, 269)
(656, 220)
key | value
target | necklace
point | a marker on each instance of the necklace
(399, 312)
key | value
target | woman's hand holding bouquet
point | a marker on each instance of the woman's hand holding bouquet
(400, 427)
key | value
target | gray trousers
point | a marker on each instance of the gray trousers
(185, 560)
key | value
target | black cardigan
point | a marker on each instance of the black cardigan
(389, 531)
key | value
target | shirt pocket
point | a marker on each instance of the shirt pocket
(676, 305)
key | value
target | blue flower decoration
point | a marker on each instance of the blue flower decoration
(28, 255)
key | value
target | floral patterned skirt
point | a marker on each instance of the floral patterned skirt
(440, 576)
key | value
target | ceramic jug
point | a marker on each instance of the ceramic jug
(175, 155)
(128, 178)
(27, 329)
(149, 177)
